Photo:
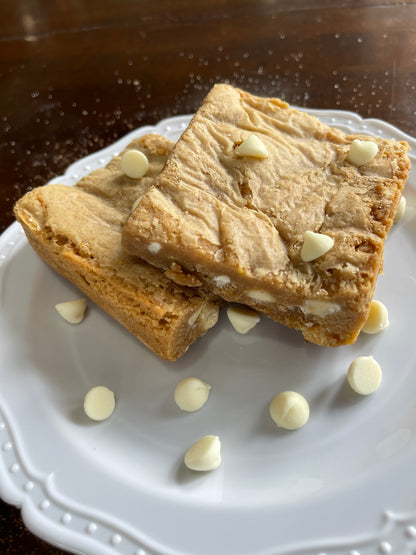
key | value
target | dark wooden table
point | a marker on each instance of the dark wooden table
(76, 76)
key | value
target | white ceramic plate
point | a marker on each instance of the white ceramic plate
(343, 484)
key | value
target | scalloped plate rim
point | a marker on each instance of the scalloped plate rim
(34, 520)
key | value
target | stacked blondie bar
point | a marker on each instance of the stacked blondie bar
(257, 203)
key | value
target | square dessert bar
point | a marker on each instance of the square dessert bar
(77, 231)
(236, 212)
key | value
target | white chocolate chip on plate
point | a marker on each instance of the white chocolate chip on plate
(361, 152)
(191, 394)
(204, 454)
(400, 210)
(378, 318)
(99, 403)
(252, 147)
(134, 163)
(315, 245)
(242, 319)
(72, 311)
(289, 410)
(364, 375)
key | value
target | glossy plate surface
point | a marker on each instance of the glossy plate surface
(343, 484)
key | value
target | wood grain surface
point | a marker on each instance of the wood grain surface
(77, 75)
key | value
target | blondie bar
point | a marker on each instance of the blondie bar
(236, 213)
(77, 231)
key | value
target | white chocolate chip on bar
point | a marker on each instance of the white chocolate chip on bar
(99, 403)
(220, 281)
(191, 394)
(154, 247)
(194, 317)
(289, 410)
(400, 210)
(252, 147)
(315, 245)
(136, 203)
(361, 152)
(204, 454)
(134, 163)
(242, 319)
(72, 311)
(378, 318)
(319, 308)
(364, 375)
(260, 295)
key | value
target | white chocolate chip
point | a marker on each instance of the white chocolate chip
(289, 410)
(72, 311)
(191, 394)
(154, 247)
(194, 317)
(319, 308)
(400, 210)
(252, 147)
(99, 403)
(260, 295)
(364, 375)
(136, 203)
(378, 318)
(220, 281)
(315, 245)
(361, 152)
(242, 319)
(134, 163)
(204, 454)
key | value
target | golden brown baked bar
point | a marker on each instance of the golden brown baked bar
(238, 223)
(77, 230)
